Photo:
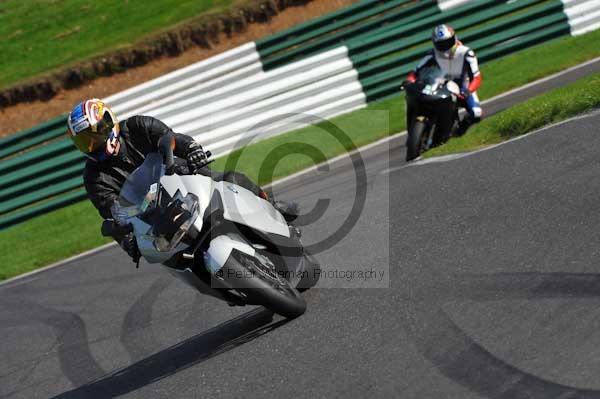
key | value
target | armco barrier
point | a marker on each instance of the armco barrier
(29, 138)
(584, 15)
(318, 69)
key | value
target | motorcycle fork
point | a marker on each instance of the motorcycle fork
(430, 134)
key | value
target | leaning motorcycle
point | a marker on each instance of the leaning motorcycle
(217, 237)
(432, 109)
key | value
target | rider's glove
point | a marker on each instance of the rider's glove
(129, 245)
(196, 157)
(123, 234)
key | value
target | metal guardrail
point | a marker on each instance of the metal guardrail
(29, 138)
(324, 67)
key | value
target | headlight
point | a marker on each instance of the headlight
(175, 221)
(162, 244)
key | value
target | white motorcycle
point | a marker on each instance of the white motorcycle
(217, 237)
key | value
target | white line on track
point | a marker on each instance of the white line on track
(59, 263)
(453, 157)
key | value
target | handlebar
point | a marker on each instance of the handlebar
(165, 148)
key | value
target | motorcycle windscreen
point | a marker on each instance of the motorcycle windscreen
(139, 190)
(432, 76)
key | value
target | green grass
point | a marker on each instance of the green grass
(537, 62)
(283, 155)
(49, 238)
(554, 106)
(71, 230)
(37, 36)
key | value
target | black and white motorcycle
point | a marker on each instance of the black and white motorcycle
(433, 103)
(217, 237)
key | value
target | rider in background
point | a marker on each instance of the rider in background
(457, 62)
(115, 149)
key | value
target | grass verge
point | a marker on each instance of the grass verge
(57, 33)
(551, 107)
(49, 238)
(74, 229)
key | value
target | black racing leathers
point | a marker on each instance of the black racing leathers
(139, 136)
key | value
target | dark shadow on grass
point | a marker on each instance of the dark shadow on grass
(188, 353)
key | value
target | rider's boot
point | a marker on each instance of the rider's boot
(465, 123)
(289, 210)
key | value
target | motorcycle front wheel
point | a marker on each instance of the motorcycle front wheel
(247, 276)
(415, 139)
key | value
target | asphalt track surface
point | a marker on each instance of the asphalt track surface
(490, 288)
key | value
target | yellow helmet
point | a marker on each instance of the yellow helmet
(91, 124)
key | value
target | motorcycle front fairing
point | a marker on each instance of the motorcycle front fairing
(139, 195)
(432, 90)
(145, 242)
(239, 204)
(434, 98)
